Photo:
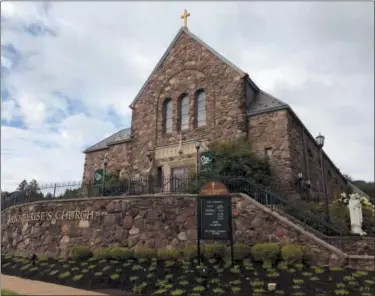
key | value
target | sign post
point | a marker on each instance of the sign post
(98, 177)
(205, 161)
(214, 215)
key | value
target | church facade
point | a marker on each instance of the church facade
(194, 93)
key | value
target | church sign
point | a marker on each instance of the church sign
(206, 161)
(214, 214)
(49, 216)
(98, 177)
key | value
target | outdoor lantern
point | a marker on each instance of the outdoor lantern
(105, 158)
(300, 176)
(197, 144)
(320, 140)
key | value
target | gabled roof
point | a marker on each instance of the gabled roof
(120, 136)
(265, 102)
(191, 35)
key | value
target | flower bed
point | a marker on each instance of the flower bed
(170, 273)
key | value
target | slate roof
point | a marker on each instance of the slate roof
(117, 137)
(265, 102)
(214, 52)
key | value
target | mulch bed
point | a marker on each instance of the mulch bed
(155, 277)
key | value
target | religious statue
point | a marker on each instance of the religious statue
(356, 218)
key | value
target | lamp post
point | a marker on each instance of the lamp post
(320, 141)
(105, 162)
(197, 147)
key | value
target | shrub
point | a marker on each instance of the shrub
(213, 251)
(81, 252)
(102, 253)
(119, 253)
(292, 254)
(339, 216)
(241, 251)
(265, 252)
(143, 252)
(189, 252)
(165, 254)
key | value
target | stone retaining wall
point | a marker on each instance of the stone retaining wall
(354, 245)
(54, 227)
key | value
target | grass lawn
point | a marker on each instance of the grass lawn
(153, 276)
(5, 292)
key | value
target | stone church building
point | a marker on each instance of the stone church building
(194, 93)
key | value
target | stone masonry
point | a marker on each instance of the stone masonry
(154, 222)
(188, 67)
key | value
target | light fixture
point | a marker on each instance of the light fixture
(105, 158)
(320, 140)
(300, 176)
(197, 144)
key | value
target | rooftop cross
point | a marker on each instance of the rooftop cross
(184, 17)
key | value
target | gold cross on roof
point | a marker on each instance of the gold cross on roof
(184, 17)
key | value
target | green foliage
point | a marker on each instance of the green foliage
(144, 252)
(213, 251)
(339, 215)
(234, 158)
(165, 254)
(241, 251)
(265, 252)
(189, 252)
(81, 252)
(116, 253)
(292, 254)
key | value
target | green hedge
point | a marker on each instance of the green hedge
(266, 252)
(292, 254)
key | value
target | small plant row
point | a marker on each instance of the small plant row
(262, 252)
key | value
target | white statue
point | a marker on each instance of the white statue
(355, 210)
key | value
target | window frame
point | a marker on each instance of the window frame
(198, 110)
(167, 119)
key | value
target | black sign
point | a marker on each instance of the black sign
(215, 218)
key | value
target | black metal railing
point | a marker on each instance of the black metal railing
(175, 185)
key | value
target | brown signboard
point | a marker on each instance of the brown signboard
(213, 188)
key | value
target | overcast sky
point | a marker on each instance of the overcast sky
(70, 70)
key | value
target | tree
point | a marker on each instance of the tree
(236, 159)
(23, 185)
(33, 186)
(366, 187)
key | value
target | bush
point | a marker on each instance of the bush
(102, 253)
(265, 252)
(116, 253)
(292, 254)
(121, 253)
(189, 252)
(241, 251)
(81, 252)
(216, 251)
(339, 215)
(144, 252)
(165, 254)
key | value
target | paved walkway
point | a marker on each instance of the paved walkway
(29, 287)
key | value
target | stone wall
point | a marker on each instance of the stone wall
(354, 245)
(270, 131)
(305, 156)
(54, 227)
(188, 67)
(119, 156)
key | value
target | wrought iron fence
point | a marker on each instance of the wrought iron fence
(175, 185)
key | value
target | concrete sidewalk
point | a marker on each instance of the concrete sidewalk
(29, 287)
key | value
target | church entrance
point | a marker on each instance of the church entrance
(179, 178)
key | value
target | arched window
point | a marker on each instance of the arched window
(201, 108)
(184, 113)
(167, 118)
